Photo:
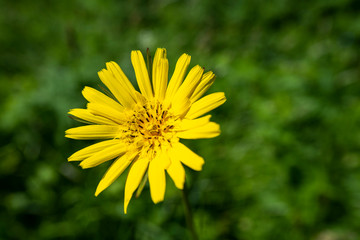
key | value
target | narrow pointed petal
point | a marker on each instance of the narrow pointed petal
(115, 170)
(186, 156)
(160, 76)
(181, 101)
(107, 112)
(140, 98)
(134, 178)
(157, 180)
(163, 79)
(116, 88)
(92, 149)
(178, 76)
(119, 75)
(177, 173)
(104, 155)
(87, 117)
(141, 74)
(206, 81)
(92, 132)
(188, 86)
(160, 73)
(93, 95)
(159, 54)
(163, 158)
(208, 130)
(181, 108)
(206, 104)
(187, 124)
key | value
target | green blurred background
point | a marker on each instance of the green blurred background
(286, 166)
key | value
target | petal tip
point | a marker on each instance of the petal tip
(157, 200)
(126, 204)
(181, 185)
(98, 190)
(81, 165)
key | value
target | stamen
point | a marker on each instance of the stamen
(151, 124)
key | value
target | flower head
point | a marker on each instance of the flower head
(142, 129)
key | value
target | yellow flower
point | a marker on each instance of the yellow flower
(142, 129)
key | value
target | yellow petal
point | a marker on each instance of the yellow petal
(134, 178)
(177, 173)
(164, 158)
(92, 132)
(187, 124)
(206, 81)
(115, 69)
(206, 104)
(107, 112)
(163, 78)
(160, 74)
(181, 108)
(208, 130)
(88, 117)
(114, 171)
(90, 150)
(186, 156)
(141, 74)
(157, 180)
(178, 76)
(104, 155)
(122, 95)
(188, 86)
(93, 95)
(140, 99)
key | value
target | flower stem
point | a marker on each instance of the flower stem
(188, 213)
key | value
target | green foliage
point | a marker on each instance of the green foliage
(285, 167)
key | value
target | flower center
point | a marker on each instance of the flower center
(150, 125)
